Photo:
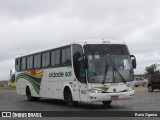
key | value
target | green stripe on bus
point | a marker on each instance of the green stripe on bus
(36, 86)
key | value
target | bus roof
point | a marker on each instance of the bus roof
(80, 42)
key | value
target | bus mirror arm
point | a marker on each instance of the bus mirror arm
(134, 63)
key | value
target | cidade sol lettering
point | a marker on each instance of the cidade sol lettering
(60, 74)
(68, 74)
(54, 74)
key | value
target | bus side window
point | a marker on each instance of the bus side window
(17, 64)
(30, 62)
(66, 55)
(46, 59)
(37, 61)
(23, 64)
(55, 57)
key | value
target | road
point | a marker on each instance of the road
(142, 101)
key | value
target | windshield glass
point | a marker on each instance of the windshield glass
(108, 63)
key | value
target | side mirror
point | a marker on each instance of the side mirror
(134, 63)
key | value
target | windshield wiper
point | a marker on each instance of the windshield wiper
(114, 67)
(118, 72)
(105, 73)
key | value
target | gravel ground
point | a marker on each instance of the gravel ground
(142, 101)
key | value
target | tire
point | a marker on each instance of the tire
(29, 96)
(106, 103)
(144, 84)
(150, 88)
(68, 98)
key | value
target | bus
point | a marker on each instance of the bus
(82, 71)
(12, 81)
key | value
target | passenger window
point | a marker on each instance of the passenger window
(46, 59)
(17, 64)
(43, 60)
(55, 57)
(30, 62)
(66, 55)
(37, 61)
(23, 64)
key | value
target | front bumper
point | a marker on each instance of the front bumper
(98, 97)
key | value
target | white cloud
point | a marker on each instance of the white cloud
(146, 59)
(5, 67)
(30, 25)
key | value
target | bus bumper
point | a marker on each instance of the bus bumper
(98, 97)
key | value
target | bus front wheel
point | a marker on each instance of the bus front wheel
(68, 98)
(106, 103)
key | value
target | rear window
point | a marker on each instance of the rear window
(155, 77)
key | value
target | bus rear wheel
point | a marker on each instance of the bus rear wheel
(106, 103)
(68, 98)
(29, 96)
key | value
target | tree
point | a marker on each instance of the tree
(153, 69)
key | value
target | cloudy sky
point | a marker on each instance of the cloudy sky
(29, 25)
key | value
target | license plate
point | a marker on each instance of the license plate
(114, 97)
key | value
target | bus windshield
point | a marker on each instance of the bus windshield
(108, 63)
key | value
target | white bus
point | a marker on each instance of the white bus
(87, 71)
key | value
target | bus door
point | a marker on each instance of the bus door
(83, 88)
(80, 73)
(76, 90)
(83, 92)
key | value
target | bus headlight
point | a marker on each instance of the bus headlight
(130, 89)
(130, 84)
(95, 91)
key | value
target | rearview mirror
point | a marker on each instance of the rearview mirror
(134, 63)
